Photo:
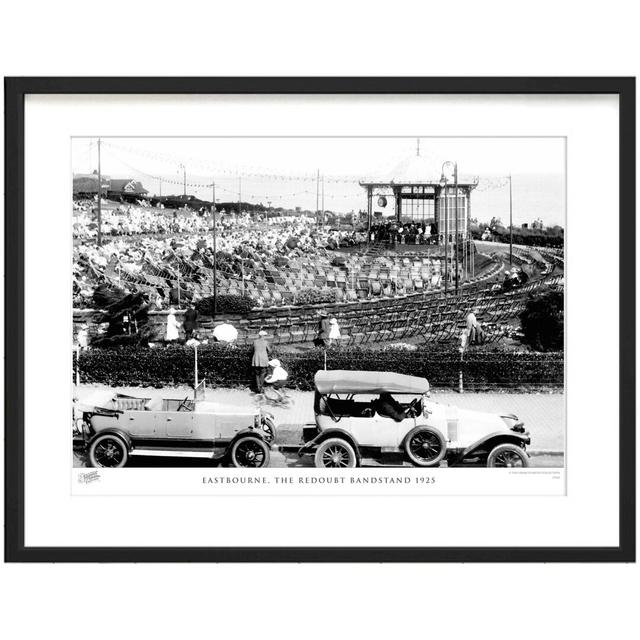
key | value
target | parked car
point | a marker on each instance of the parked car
(122, 426)
(353, 419)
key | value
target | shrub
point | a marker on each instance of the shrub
(230, 366)
(226, 304)
(316, 296)
(542, 321)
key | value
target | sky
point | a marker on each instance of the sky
(283, 171)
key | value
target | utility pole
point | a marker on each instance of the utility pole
(317, 194)
(323, 202)
(510, 224)
(455, 186)
(239, 195)
(99, 198)
(160, 182)
(215, 263)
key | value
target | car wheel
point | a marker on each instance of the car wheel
(108, 451)
(335, 453)
(250, 452)
(425, 447)
(507, 455)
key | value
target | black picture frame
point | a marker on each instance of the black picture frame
(15, 91)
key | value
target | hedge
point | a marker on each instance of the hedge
(316, 296)
(225, 303)
(230, 366)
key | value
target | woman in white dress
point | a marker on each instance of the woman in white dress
(334, 333)
(172, 326)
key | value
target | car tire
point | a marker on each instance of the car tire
(425, 446)
(335, 453)
(507, 455)
(108, 451)
(250, 452)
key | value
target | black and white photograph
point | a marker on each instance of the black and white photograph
(318, 302)
(344, 313)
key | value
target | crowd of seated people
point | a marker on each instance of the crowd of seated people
(172, 242)
(129, 220)
(392, 232)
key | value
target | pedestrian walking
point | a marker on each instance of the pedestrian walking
(277, 379)
(83, 337)
(474, 332)
(173, 325)
(324, 330)
(334, 331)
(260, 360)
(190, 321)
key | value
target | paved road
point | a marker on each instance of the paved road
(542, 413)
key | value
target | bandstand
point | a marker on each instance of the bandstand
(423, 194)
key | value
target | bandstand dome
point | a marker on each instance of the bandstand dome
(414, 170)
(417, 170)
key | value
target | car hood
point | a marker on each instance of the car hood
(482, 420)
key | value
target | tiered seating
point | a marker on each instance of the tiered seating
(432, 317)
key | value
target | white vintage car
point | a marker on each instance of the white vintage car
(120, 426)
(362, 412)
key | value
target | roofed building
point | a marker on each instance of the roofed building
(85, 185)
(126, 187)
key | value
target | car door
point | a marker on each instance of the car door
(179, 424)
(143, 424)
(376, 431)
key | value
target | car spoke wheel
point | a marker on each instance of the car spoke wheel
(508, 456)
(425, 447)
(108, 451)
(250, 452)
(335, 453)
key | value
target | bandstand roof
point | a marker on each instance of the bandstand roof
(415, 170)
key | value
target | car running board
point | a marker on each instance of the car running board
(172, 453)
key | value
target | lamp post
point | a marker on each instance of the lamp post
(195, 362)
(510, 224)
(444, 182)
(443, 185)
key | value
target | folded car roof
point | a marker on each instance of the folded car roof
(340, 381)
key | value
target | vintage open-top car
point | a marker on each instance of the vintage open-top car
(361, 412)
(119, 426)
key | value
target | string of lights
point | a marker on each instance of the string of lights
(242, 172)
(219, 187)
